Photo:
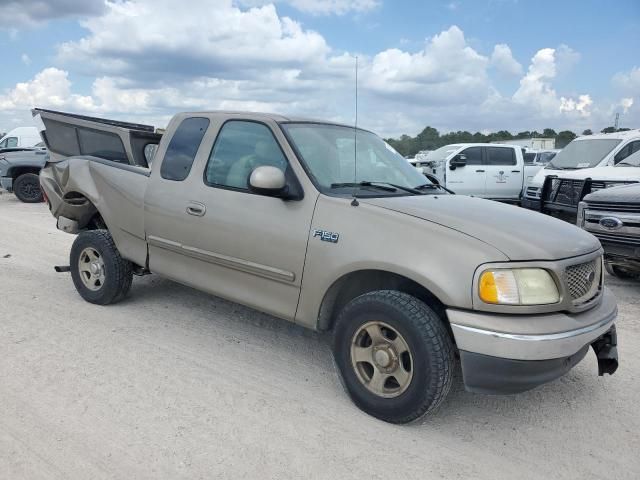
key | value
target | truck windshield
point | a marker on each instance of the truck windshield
(328, 152)
(583, 154)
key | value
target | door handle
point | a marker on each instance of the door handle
(480, 171)
(196, 209)
(515, 171)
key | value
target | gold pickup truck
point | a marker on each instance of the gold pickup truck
(327, 226)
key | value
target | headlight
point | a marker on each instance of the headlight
(518, 286)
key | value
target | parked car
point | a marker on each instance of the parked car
(587, 151)
(486, 170)
(21, 137)
(264, 210)
(19, 170)
(539, 157)
(613, 216)
(562, 193)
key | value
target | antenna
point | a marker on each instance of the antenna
(355, 202)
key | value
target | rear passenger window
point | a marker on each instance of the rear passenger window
(182, 148)
(12, 142)
(501, 156)
(473, 154)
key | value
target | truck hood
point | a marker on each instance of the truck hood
(520, 234)
(623, 194)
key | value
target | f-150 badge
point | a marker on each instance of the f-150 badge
(326, 236)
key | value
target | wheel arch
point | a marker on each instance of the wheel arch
(359, 282)
(79, 207)
(15, 172)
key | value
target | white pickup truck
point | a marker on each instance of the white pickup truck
(584, 152)
(487, 170)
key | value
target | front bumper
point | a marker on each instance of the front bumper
(530, 203)
(6, 183)
(522, 352)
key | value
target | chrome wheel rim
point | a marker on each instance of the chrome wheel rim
(91, 268)
(381, 359)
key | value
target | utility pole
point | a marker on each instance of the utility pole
(615, 125)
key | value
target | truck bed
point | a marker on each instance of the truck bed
(98, 172)
(68, 135)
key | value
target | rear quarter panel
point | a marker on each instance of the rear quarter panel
(116, 191)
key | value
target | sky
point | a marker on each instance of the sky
(476, 65)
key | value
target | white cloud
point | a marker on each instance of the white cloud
(626, 104)
(133, 39)
(536, 92)
(447, 71)
(24, 58)
(502, 60)
(321, 7)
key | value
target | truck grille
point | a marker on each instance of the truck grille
(584, 280)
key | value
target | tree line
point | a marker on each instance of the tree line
(431, 139)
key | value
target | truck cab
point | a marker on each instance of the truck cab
(486, 170)
(587, 151)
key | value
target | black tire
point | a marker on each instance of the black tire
(27, 188)
(428, 341)
(118, 273)
(621, 272)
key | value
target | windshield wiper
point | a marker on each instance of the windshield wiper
(364, 184)
(433, 186)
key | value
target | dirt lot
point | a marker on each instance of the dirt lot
(172, 383)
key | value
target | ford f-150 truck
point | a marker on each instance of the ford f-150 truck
(327, 226)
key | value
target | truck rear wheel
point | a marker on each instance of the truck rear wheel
(27, 188)
(394, 354)
(99, 273)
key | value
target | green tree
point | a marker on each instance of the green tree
(563, 138)
(549, 133)
(587, 132)
(608, 130)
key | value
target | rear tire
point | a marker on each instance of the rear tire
(386, 382)
(99, 273)
(621, 272)
(27, 188)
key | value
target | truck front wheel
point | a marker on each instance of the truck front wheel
(394, 354)
(27, 188)
(99, 273)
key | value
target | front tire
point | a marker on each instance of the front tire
(394, 354)
(27, 188)
(99, 273)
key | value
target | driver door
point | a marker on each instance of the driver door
(469, 179)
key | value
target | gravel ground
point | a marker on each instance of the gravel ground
(172, 383)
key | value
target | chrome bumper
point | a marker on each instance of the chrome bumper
(514, 343)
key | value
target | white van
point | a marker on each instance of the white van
(21, 137)
(584, 152)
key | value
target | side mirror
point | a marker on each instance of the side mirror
(459, 160)
(267, 180)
